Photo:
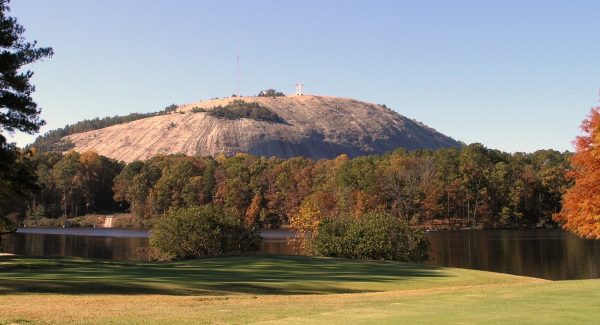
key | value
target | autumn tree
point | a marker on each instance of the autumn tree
(232, 190)
(401, 183)
(253, 212)
(581, 203)
(306, 223)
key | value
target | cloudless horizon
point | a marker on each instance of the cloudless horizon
(513, 75)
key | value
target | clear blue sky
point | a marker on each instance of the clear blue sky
(513, 75)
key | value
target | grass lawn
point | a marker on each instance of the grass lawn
(281, 289)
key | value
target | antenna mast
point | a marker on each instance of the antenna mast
(237, 89)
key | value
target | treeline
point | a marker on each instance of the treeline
(473, 186)
(50, 141)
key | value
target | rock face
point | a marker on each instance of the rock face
(315, 127)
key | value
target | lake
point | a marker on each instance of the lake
(548, 254)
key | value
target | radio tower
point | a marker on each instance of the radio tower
(237, 73)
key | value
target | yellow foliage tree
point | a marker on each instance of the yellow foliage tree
(306, 223)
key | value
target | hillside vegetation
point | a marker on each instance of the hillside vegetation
(240, 109)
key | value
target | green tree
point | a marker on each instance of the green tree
(123, 181)
(208, 181)
(375, 236)
(167, 192)
(16, 183)
(67, 178)
(192, 191)
(141, 190)
(203, 231)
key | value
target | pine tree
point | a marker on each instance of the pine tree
(18, 111)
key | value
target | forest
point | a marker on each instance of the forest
(444, 189)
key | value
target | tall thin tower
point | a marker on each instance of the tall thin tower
(237, 72)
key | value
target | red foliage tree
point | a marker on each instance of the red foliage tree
(580, 212)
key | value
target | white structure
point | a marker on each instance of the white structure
(299, 89)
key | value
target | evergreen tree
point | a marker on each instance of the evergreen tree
(18, 111)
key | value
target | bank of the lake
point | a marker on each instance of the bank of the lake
(281, 289)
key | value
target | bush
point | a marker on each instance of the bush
(377, 236)
(203, 231)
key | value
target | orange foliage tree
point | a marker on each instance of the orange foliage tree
(581, 203)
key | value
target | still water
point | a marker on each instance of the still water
(549, 254)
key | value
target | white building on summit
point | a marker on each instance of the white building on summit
(299, 89)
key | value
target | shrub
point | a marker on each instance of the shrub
(203, 231)
(198, 110)
(375, 235)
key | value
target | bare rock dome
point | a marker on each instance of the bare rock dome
(309, 126)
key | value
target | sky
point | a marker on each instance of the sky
(517, 76)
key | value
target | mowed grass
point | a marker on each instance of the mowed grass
(256, 275)
(281, 289)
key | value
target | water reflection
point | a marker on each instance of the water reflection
(549, 254)
(117, 248)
